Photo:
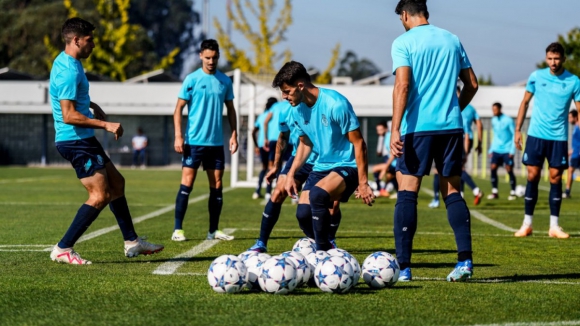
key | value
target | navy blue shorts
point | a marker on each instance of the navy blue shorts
(264, 156)
(212, 157)
(538, 150)
(302, 174)
(349, 174)
(446, 150)
(272, 152)
(575, 162)
(502, 158)
(85, 155)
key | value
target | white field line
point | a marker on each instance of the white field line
(503, 235)
(542, 323)
(28, 179)
(173, 264)
(19, 247)
(24, 203)
(145, 217)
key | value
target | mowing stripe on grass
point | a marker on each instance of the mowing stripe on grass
(25, 203)
(174, 263)
(19, 247)
(542, 323)
(20, 180)
(145, 217)
(495, 280)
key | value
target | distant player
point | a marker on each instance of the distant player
(554, 88)
(204, 91)
(272, 131)
(427, 127)
(76, 142)
(387, 168)
(259, 136)
(574, 152)
(502, 150)
(289, 137)
(327, 125)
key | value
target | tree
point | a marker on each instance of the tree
(571, 43)
(485, 82)
(351, 66)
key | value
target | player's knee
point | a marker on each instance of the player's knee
(319, 196)
(303, 212)
(100, 199)
(278, 196)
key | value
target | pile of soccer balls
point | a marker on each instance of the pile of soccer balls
(333, 271)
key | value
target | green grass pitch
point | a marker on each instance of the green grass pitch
(530, 281)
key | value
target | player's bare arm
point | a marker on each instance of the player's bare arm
(280, 147)
(98, 112)
(470, 87)
(73, 117)
(521, 117)
(360, 154)
(302, 153)
(386, 167)
(177, 116)
(266, 122)
(479, 135)
(400, 95)
(231, 111)
(255, 139)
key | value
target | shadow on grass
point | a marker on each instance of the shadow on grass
(527, 278)
(445, 265)
(161, 260)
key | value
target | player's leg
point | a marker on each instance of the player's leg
(496, 162)
(558, 162)
(509, 168)
(534, 156)
(214, 164)
(271, 214)
(191, 161)
(377, 169)
(271, 157)
(335, 219)
(265, 163)
(304, 211)
(321, 197)
(574, 164)
(436, 182)
(466, 178)
(391, 180)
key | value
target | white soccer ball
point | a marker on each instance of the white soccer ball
(227, 274)
(314, 258)
(303, 270)
(351, 259)
(304, 246)
(247, 254)
(254, 268)
(380, 269)
(520, 191)
(278, 275)
(334, 275)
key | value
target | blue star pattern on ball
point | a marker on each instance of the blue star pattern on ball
(393, 265)
(302, 264)
(338, 270)
(281, 262)
(283, 283)
(265, 274)
(376, 255)
(321, 277)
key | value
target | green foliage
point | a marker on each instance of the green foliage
(571, 43)
(350, 65)
(482, 81)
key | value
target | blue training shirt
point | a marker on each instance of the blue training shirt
(576, 142)
(69, 82)
(469, 116)
(286, 124)
(273, 124)
(503, 128)
(436, 57)
(260, 125)
(205, 95)
(326, 123)
(552, 97)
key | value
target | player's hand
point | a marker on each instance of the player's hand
(366, 194)
(257, 150)
(115, 128)
(518, 140)
(271, 175)
(290, 186)
(511, 156)
(266, 146)
(233, 144)
(178, 144)
(396, 143)
(99, 113)
(478, 148)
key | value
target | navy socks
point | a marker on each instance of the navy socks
(494, 179)
(435, 186)
(319, 202)
(304, 217)
(531, 197)
(269, 218)
(214, 205)
(84, 218)
(120, 209)
(460, 221)
(555, 198)
(181, 205)
(405, 226)
(467, 179)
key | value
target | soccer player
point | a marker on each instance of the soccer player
(326, 124)
(259, 137)
(574, 152)
(288, 136)
(204, 91)
(75, 141)
(382, 151)
(272, 131)
(554, 88)
(427, 127)
(139, 144)
(502, 150)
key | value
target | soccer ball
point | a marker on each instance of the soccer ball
(278, 275)
(304, 246)
(314, 258)
(247, 254)
(227, 274)
(380, 269)
(351, 259)
(334, 275)
(254, 268)
(303, 270)
(520, 191)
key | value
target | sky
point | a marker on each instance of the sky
(503, 38)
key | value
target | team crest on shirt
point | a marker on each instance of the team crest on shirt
(100, 159)
(324, 121)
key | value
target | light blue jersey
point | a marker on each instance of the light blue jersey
(273, 124)
(68, 82)
(326, 124)
(287, 125)
(576, 142)
(469, 116)
(503, 128)
(205, 95)
(260, 125)
(436, 57)
(388, 148)
(552, 97)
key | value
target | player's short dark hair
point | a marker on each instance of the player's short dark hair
(383, 123)
(574, 113)
(290, 73)
(76, 27)
(413, 8)
(497, 104)
(209, 44)
(555, 48)
(271, 101)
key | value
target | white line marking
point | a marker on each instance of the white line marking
(428, 191)
(489, 221)
(23, 203)
(139, 219)
(542, 323)
(190, 274)
(173, 264)
(544, 188)
(25, 247)
(28, 179)
(22, 245)
(27, 250)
